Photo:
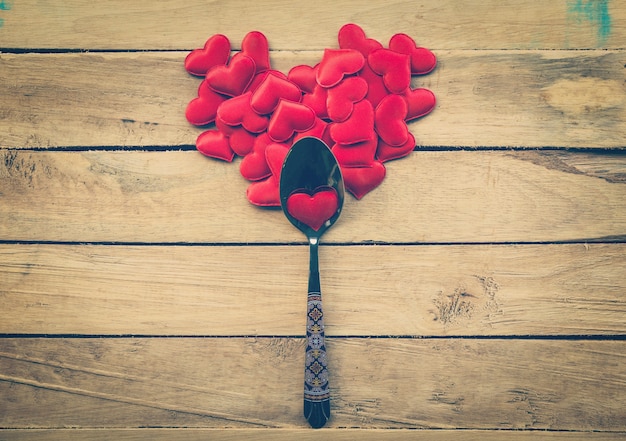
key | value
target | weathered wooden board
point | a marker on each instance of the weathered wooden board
(468, 197)
(369, 290)
(300, 434)
(257, 382)
(485, 99)
(476, 24)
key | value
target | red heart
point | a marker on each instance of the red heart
(304, 77)
(337, 63)
(237, 111)
(356, 155)
(394, 67)
(203, 109)
(390, 120)
(422, 60)
(351, 36)
(316, 100)
(214, 143)
(255, 46)
(241, 141)
(254, 166)
(233, 78)
(386, 152)
(275, 154)
(215, 52)
(272, 89)
(289, 118)
(376, 89)
(420, 102)
(264, 193)
(358, 128)
(341, 98)
(313, 209)
(361, 180)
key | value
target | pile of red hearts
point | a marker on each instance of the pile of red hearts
(358, 100)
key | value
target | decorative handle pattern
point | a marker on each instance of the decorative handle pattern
(316, 391)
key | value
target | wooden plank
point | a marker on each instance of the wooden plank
(369, 290)
(485, 99)
(477, 24)
(257, 382)
(300, 434)
(461, 196)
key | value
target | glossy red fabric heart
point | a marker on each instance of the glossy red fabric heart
(215, 52)
(390, 120)
(336, 64)
(358, 127)
(394, 67)
(215, 144)
(270, 91)
(254, 166)
(202, 110)
(341, 98)
(264, 193)
(356, 155)
(420, 102)
(288, 118)
(233, 78)
(386, 152)
(361, 180)
(423, 61)
(240, 140)
(352, 36)
(304, 77)
(313, 209)
(256, 46)
(237, 111)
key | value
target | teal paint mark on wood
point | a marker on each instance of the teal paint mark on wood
(595, 12)
(5, 5)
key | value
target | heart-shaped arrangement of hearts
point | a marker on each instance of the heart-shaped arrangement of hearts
(358, 100)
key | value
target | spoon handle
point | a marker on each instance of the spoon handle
(316, 391)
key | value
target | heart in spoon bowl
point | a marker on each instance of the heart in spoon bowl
(314, 209)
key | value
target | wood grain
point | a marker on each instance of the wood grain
(465, 197)
(476, 24)
(485, 99)
(300, 434)
(368, 290)
(257, 382)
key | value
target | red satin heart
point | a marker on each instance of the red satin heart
(254, 166)
(233, 78)
(420, 102)
(390, 120)
(356, 155)
(394, 67)
(264, 193)
(376, 89)
(313, 209)
(336, 64)
(272, 89)
(423, 61)
(241, 141)
(386, 152)
(342, 97)
(202, 110)
(358, 127)
(289, 118)
(215, 52)
(352, 36)
(255, 46)
(215, 144)
(316, 100)
(237, 111)
(361, 180)
(275, 154)
(304, 77)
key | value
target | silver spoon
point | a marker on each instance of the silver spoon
(311, 196)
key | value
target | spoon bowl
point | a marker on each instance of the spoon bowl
(311, 196)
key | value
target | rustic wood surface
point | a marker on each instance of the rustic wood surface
(477, 294)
